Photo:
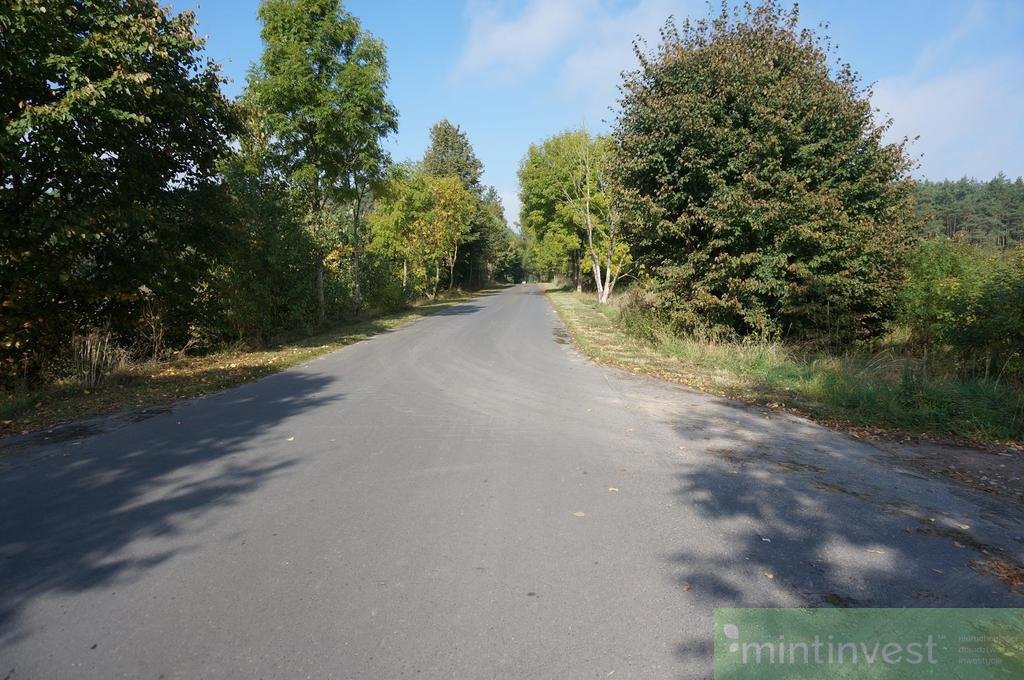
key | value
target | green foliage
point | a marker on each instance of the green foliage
(451, 155)
(262, 287)
(989, 214)
(967, 301)
(554, 234)
(881, 387)
(321, 87)
(396, 223)
(111, 127)
(509, 260)
(419, 222)
(490, 245)
(573, 210)
(775, 207)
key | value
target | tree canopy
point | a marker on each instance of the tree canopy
(321, 84)
(988, 213)
(112, 126)
(571, 209)
(776, 207)
(451, 154)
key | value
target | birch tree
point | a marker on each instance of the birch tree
(590, 192)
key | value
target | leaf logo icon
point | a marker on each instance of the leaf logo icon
(733, 633)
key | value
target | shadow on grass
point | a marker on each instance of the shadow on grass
(856, 389)
(109, 510)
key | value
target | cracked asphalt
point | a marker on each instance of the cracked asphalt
(464, 497)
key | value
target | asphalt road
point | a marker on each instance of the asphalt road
(465, 497)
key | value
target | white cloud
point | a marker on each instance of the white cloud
(591, 71)
(586, 43)
(519, 45)
(969, 118)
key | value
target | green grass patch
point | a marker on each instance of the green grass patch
(887, 389)
(158, 383)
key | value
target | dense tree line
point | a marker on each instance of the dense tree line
(571, 210)
(747, 191)
(751, 183)
(989, 214)
(113, 125)
(142, 207)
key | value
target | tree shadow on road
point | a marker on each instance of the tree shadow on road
(797, 515)
(78, 515)
(459, 310)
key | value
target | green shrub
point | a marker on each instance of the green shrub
(968, 302)
(776, 207)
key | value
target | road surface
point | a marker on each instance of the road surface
(465, 497)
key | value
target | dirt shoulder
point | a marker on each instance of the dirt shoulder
(140, 388)
(996, 469)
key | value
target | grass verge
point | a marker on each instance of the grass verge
(155, 384)
(876, 393)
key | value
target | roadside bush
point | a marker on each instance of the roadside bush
(638, 318)
(969, 302)
(266, 282)
(778, 210)
(382, 287)
(885, 383)
(93, 357)
(111, 122)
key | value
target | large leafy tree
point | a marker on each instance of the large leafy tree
(453, 210)
(593, 201)
(571, 207)
(451, 154)
(776, 207)
(555, 243)
(111, 123)
(322, 84)
(422, 221)
(494, 239)
(396, 223)
(262, 285)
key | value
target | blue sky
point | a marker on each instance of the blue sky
(511, 73)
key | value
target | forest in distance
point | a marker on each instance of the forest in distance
(745, 193)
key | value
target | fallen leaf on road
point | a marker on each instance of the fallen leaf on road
(613, 488)
(770, 575)
(687, 587)
(291, 439)
(579, 514)
(1008, 572)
